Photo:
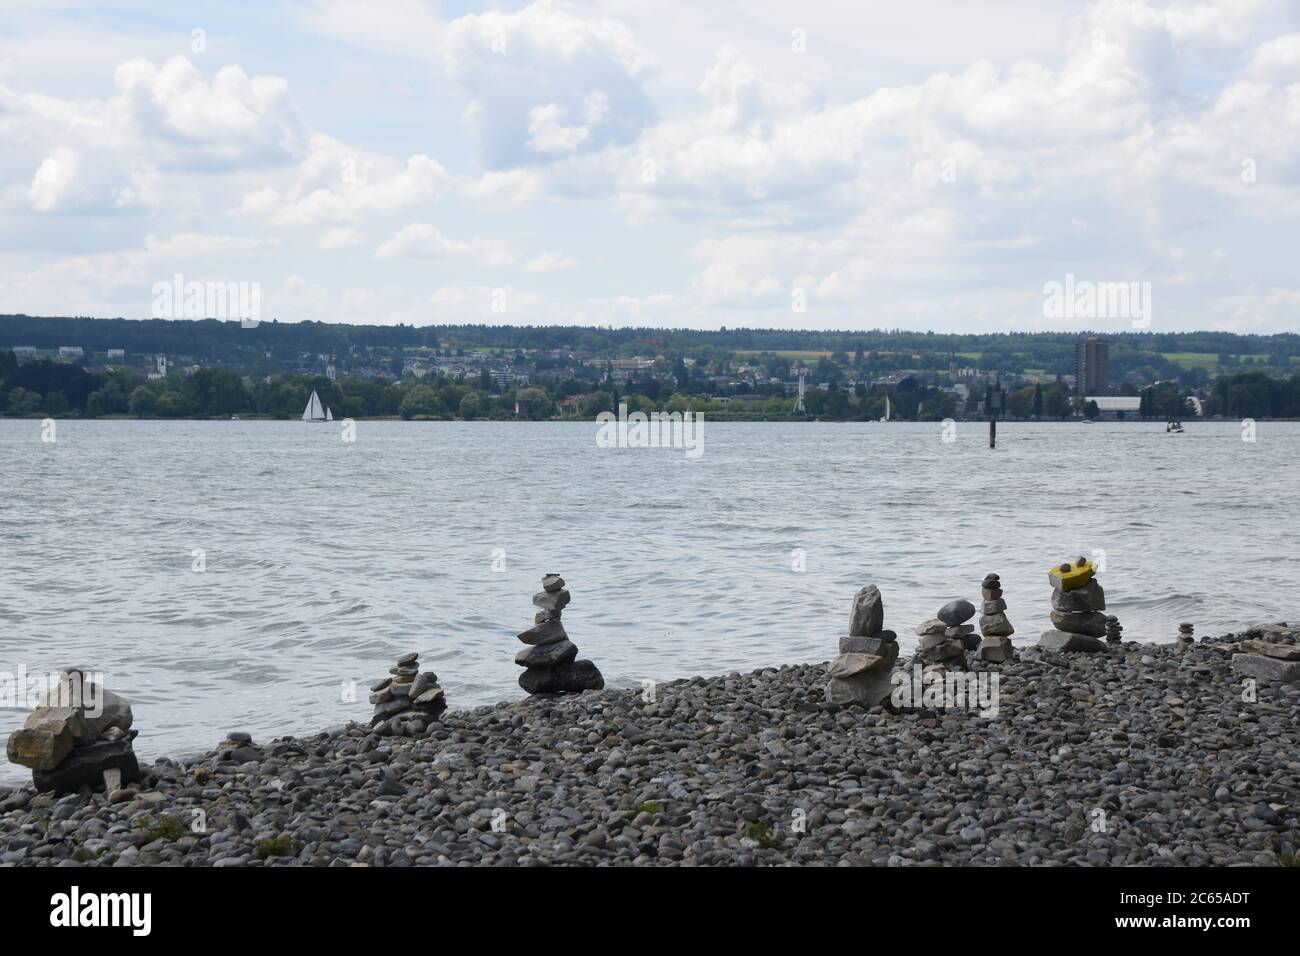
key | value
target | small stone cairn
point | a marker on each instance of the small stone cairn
(994, 627)
(861, 672)
(1186, 633)
(408, 701)
(549, 659)
(1114, 629)
(79, 735)
(1269, 653)
(945, 638)
(1077, 603)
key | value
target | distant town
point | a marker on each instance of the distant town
(85, 367)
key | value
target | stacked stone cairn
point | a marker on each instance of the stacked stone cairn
(994, 627)
(861, 672)
(408, 701)
(79, 735)
(1114, 629)
(945, 638)
(1077, 603)
(1186, 632)
(549, 659)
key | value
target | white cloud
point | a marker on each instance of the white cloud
(341, 237)
(425, 241)
(338, 183)
(54, 179)
(550, 262)
(544, 81)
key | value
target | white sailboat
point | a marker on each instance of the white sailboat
(886, 418)
(315, 411)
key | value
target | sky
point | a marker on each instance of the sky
(935, 164)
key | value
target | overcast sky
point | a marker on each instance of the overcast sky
(919, 165)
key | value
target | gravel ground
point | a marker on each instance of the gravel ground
(1144, 755)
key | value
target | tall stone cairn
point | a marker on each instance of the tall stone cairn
(549, 659)
(994, 626)
(1077, 603)
(860, 673)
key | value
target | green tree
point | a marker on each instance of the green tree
(23, 402)
(469, 406)
(535, 404)
(1020, 403)
(420, 401)
(142, 401)
(56, 403)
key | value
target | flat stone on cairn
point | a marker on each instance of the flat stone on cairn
(77, 734)
(1077, 603)
(406, 702)
(860, 673)
(994, 627)
(549, 660)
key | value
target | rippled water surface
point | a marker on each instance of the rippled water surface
(325, 560)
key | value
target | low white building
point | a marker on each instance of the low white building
(1111, 406)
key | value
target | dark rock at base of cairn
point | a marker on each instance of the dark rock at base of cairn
(1114, 629)
(860, 674)
(407, 701)
(550, 658)
(570, 678)
(85, 766)
(996, 630)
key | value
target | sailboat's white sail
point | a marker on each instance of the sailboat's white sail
(315, 411)
(329, 415)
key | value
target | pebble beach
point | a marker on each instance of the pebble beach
(1144, 755)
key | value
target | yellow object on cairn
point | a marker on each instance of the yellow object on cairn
(1067, 576)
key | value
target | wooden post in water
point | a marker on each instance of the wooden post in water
(993, 396)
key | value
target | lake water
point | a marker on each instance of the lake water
(324, 560)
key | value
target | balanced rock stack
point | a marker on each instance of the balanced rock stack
(407, 701)
(1114, 629)
(1077, 603)
(1270, 653)
(945, 638)
(861, 672)
(994, 626)
(549, 659)
(1186, 633)
(238, 747)
(79, 735)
